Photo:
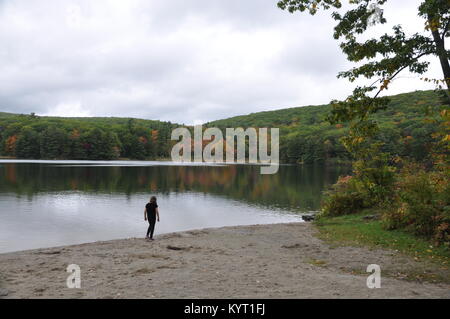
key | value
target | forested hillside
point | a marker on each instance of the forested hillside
(305, 134)
(94, 138)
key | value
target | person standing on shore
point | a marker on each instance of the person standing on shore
(151, 213)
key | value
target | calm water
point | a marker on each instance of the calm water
(53, 203)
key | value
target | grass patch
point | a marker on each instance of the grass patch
(317, 262)
(355, 230)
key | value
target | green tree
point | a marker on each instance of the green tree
(137, 148)
(28, 144)
(54, 142)
(77, 149)
(385, 57)
(100, 145)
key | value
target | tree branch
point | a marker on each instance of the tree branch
(445, 30)
(398, 71)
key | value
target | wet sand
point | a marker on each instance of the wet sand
(260, 261)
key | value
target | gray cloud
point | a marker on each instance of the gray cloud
(186, 61)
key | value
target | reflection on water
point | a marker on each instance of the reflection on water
(57, 203)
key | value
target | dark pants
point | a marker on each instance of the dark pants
(151, 227)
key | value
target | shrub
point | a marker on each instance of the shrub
(344, 198)
(370, 186)
(375, 179)
(421, 204)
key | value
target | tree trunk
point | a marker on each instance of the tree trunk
(440, 51)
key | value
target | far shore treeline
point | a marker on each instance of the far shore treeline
(35, 137)
(406, 130)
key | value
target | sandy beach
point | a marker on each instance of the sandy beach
(260, 261)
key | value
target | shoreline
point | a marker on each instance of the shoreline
(258, 261)
(124, 159)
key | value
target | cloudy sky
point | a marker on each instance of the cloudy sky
(187, 61)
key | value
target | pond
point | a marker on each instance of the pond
(54, 203)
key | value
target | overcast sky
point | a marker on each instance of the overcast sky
(185, 61)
